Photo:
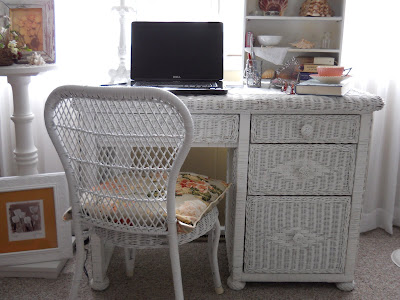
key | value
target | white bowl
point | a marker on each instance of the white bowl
(269, 40)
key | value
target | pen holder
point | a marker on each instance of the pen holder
(253, 73)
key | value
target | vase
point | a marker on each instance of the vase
(6, 58)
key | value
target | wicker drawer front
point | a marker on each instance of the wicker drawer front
(301, 169)
(305, 128)
(216, 128)
(296, 234)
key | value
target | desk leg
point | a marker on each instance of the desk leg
(26, 154)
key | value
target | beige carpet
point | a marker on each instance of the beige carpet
(376, 277)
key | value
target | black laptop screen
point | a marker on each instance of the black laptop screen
(177, 51)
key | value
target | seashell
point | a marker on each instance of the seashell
(303, 44)
(273, 5)
(268, 74)
(316, 8)
(36, 59)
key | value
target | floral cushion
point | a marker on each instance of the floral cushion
(195, 195)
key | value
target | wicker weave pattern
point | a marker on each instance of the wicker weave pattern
(231, 206)
(216, 129)
(94, 131)
(137, 241)
(305, 129)
(301, 169)
(269, 101)
(296, 234)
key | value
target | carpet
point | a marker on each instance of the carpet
(377, 277)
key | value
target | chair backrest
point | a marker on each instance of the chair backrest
(122, 149)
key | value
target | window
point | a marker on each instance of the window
(88, 32)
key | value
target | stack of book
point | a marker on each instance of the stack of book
(315, 87)
(309, 64)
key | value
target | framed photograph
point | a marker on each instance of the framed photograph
(34, 22)
(31, 225)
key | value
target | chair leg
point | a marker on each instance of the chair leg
(213, 243)
(175, 263)
(130, 254)
(100, 260)
(80, 260)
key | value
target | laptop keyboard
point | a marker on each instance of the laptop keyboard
(172, 84)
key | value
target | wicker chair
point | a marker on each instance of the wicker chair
(141, 136)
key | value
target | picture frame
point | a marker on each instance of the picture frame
(34, 22)
(31, 225)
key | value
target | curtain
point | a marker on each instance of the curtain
(370, 47)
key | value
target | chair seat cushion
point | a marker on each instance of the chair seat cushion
(195, 195)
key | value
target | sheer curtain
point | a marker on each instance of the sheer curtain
(370, 46)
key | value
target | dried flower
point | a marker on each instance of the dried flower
(11, 39)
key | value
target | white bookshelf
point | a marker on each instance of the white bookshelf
(293, 28)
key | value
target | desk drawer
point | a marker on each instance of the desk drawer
(296, 234)
(216, 128)
(305, 128)
(287, 169)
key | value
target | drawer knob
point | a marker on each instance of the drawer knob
(305, 171)
(298, 238)
(307, 131)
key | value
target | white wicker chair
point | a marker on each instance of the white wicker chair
(137, 134)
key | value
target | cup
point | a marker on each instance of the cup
(330, 70)
(253, 73)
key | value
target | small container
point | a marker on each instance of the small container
(253, 73)
(330, 71)
(271, 13)
(326, 40)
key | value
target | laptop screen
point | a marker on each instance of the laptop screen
(177, 51)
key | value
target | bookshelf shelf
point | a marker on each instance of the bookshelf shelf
(294, 28)
(290, 18)
(314, 50)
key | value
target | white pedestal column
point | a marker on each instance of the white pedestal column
(19, 77)
(26, 154)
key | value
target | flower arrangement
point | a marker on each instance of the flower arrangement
(11, 44)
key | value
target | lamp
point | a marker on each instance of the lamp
(121, 72)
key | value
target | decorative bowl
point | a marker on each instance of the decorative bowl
(330, 70)
(269, 40)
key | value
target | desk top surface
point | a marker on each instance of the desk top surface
(262, 100)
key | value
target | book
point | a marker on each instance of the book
(310, 63)
(328, 61)
(315, 87)
(304, 76)
(311, 68)
(305, 59)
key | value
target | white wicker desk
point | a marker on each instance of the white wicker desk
(298, 164)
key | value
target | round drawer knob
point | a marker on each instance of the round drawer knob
(298, 238)
(307, 131)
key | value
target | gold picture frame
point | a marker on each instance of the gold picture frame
(31, 225)
(34, 22)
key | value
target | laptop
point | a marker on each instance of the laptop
(182, 57)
